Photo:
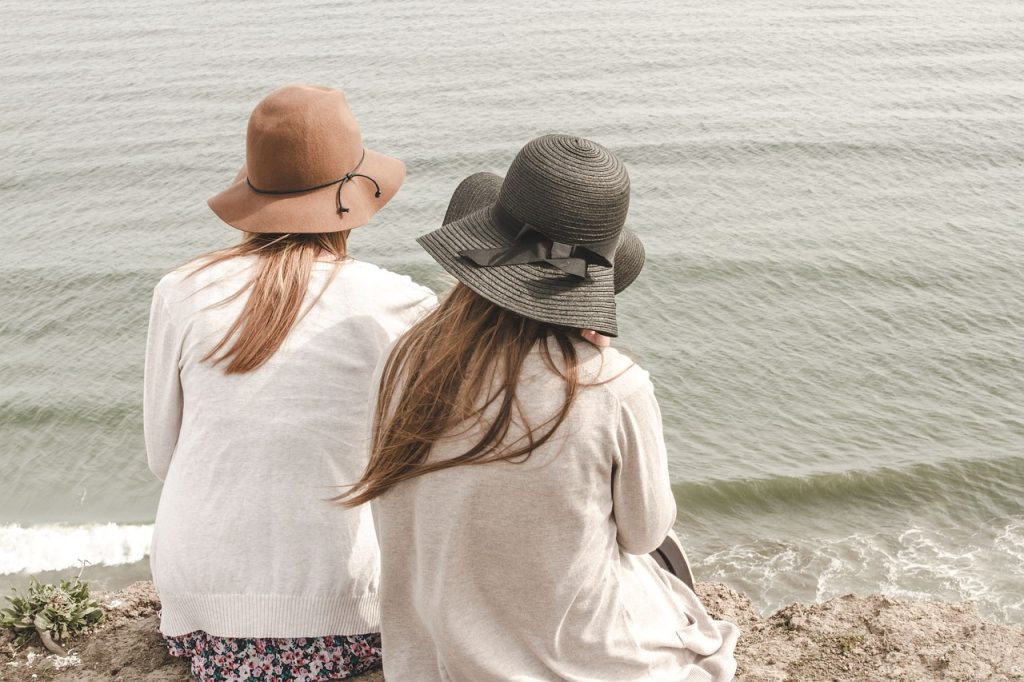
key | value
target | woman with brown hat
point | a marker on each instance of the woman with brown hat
(518, 474)
(258, 369)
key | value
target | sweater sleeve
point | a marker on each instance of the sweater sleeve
(162, 399)
(642, 498)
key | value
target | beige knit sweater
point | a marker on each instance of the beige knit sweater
(246, 543)
(539, 570)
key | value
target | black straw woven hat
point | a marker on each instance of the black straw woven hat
(545, 248)
(480, 190)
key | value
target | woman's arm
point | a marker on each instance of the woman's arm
(162, 397)
(642, 499)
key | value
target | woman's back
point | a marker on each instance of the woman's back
(538, 569)
(246, 542)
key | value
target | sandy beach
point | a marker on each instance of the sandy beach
(870, 638)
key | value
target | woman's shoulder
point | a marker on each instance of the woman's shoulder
(376, 275)
(616, 372)
(185, 280)
(171, 286)
(384, 286)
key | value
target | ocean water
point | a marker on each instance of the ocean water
(831, 195)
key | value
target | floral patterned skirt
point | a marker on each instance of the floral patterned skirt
(308, 659)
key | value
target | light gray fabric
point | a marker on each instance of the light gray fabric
(539, 570)
(246, 543)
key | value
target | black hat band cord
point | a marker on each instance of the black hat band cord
(528, 244)
(340, 182)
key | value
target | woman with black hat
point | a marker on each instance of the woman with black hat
(518, 474)
(481, 190)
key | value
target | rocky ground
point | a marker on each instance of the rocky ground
(849, 638)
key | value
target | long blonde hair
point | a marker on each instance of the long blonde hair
(461, 361)
(277, 291)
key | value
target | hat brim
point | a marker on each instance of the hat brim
(629, 260)
(315, 211)
(539, 292)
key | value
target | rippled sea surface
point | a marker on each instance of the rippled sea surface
(830, 193)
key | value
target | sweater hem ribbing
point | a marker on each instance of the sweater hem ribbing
(268, 615)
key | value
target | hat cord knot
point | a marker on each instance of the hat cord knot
(340, 182)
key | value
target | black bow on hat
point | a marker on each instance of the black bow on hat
(530, 245)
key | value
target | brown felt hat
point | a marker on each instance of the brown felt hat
(306, 169)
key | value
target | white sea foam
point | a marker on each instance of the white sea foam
(917, 563)
(32, 549)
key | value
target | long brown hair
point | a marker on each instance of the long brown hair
(277, 291)
(461, 361)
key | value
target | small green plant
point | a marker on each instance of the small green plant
(51, 612)
(850, 642)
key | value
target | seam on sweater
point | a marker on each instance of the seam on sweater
(179, 338)
(621, 398)
(170, 315)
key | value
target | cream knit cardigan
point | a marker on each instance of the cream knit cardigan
(246, 542)
(539, 570)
